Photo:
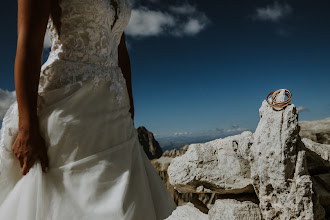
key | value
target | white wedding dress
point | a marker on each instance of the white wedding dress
(98, 169)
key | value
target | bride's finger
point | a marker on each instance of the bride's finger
(20, 159)
(28, 163)
(25, 166)
(44, 161)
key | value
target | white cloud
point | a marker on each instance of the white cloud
(302, 109)
(183, 9)
(194, 26)
(47, 41)
(182, 20)
(6, 99)
(274, 12)
(145, 22)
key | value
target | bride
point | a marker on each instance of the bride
(69, 148)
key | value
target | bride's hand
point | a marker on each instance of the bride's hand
(28, 147)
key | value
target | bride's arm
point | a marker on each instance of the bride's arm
(125, 65)
(31, 27)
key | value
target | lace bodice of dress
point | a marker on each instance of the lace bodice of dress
(87, 43)
(90, 30)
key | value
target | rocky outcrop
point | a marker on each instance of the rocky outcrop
(318, 130)
(150, 145)
(213, 167)
(278, 167)
(176, 152)
(272, 164)
(232, 209)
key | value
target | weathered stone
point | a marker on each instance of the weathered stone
(187, 212)
(321, 191)
(324, 179)
(213, 167)
(280, 177)
(323, 150)
(318, 130)
(232, 209)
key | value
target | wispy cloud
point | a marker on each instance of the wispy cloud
(273, 12)
(175, 20)
(184, 9)
(234, 128)
(6, 99)
(302, 109)
(182, 133)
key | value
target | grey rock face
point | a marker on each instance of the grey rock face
(213, 167)
(150, 145)
(318, 130)
(234, 210)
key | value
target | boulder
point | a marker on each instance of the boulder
(213, 167)
(322, 150)
(234, 210)
(187, 212)
(317, 130)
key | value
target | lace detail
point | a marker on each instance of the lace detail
(63, 73)
(9, 129)
(87, 46)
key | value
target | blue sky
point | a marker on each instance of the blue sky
(204, 67)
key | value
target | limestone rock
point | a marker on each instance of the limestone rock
(162, 163)
(150, 146)
(213, 167)
(322, 150)
(321, 187)
(278, 167)
(234, 210)
(187, 212)
(318, 130)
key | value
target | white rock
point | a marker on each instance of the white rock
(323, 150)
(230, 209)
(318, 130)
(279, 177)
(213, 167)
(187, 212)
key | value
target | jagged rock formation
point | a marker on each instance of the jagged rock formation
(318, 130)
(150, 145)
(278, 168)
(274, 160)
(176, 152)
